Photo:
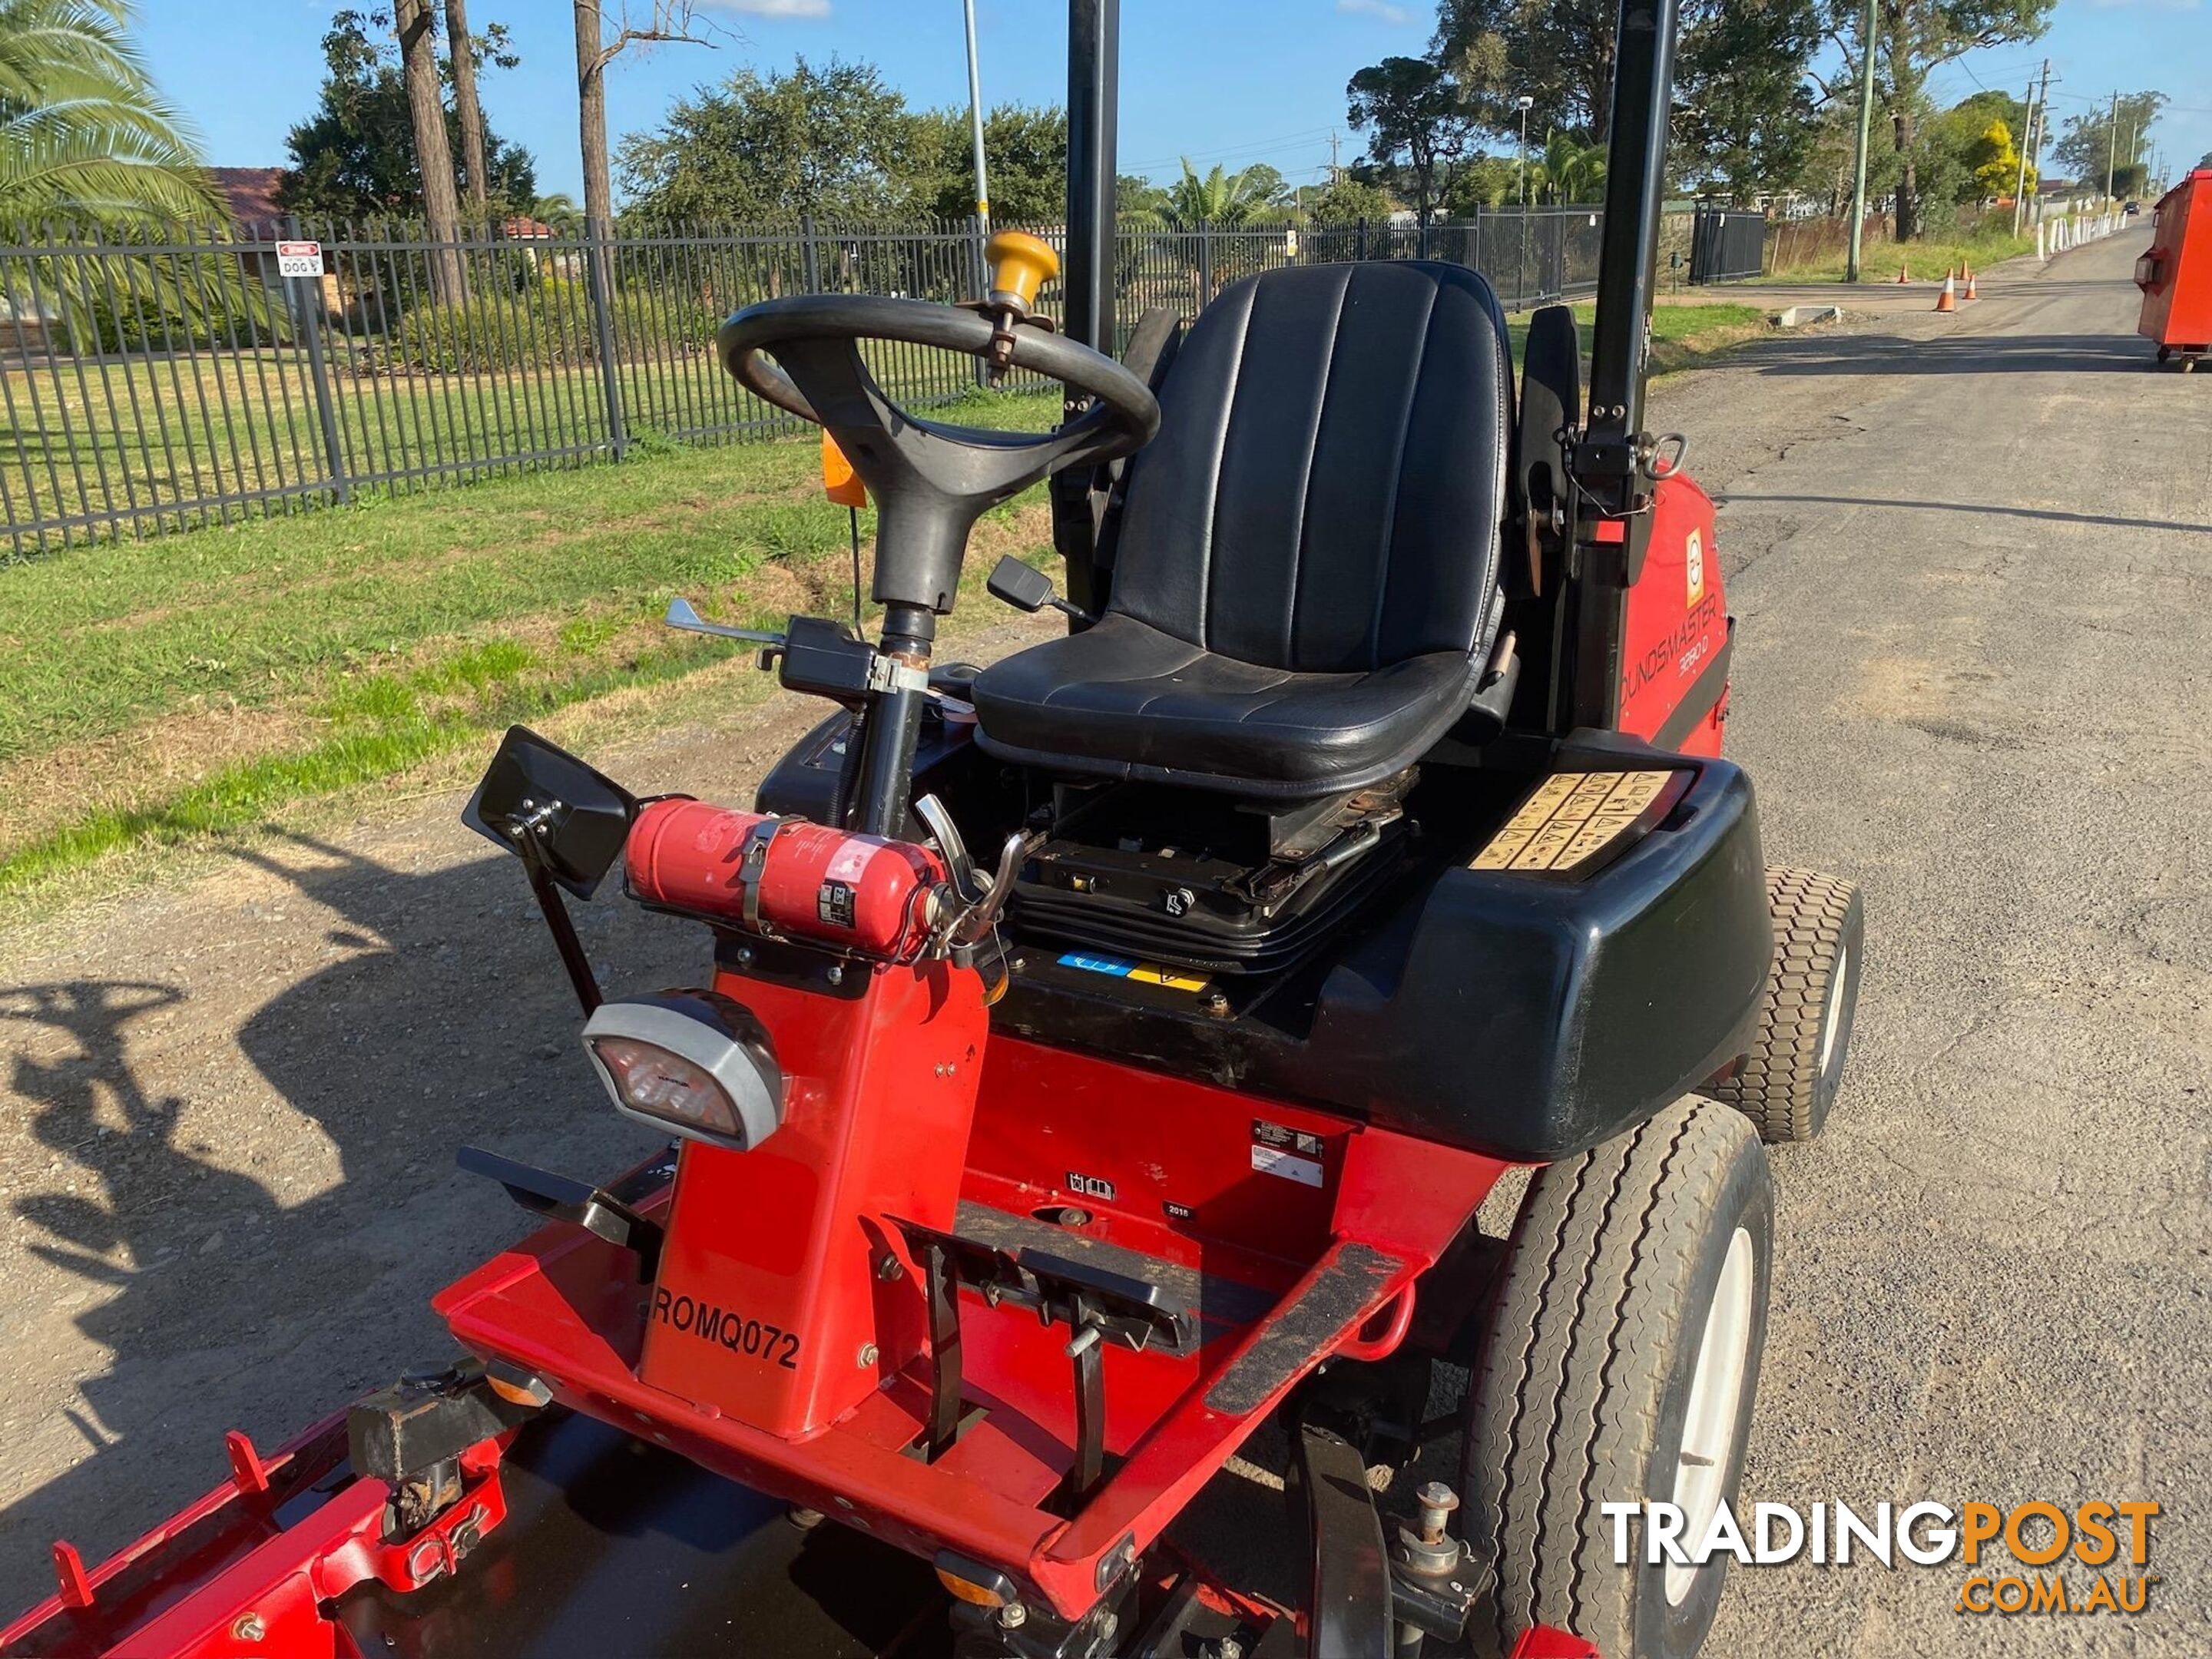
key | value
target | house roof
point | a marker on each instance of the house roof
(252, 193)
(523, 228)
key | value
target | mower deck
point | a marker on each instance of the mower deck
(1275, 1274)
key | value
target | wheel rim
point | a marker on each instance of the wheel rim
(1832, 1022)
(1708, 1427)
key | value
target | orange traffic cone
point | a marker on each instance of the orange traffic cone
(1948, 298)
(1902, 278)
(1971, 293)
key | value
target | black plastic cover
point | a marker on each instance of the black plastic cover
(577, 818)
(1526, 1018)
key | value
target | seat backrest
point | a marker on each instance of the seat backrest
(1328, 488)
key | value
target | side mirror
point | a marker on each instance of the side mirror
(546, 806)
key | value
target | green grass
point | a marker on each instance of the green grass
(255, 611)
(1682, 335)
(1928, 260)
(389, 632)
(387, 635)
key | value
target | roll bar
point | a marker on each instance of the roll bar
(1093, 96)
(1635, 189)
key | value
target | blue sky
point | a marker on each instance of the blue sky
(1232, 81)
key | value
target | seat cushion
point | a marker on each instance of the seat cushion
(1304, 561)
(1126, 700)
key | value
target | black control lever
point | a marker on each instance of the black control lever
(1025, 588)
(579, 1202)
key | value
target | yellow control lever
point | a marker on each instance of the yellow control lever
(1020, 265)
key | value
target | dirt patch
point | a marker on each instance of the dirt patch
(1913, 692)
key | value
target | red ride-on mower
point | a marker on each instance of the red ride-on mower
(1365, 838)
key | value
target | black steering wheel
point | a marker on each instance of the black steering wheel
(930, 481)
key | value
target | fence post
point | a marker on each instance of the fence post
(980, 274)
(1521, 265)
(1205, 264)
(809, 259)
(307, 305)
(597, 291)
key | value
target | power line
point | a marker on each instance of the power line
(1245, 148)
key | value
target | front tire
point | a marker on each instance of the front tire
(1787, 1082)
(1619, 1366)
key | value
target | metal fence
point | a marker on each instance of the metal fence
(150, 385)
(1727, 246)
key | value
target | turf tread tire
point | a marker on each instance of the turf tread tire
(1565, 1403)
(1779, 1085)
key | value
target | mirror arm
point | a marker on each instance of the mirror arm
(561, 925)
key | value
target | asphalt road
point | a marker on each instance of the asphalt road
(1972, 572)
(1970, 557)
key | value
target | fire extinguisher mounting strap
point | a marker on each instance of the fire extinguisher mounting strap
(752, 862)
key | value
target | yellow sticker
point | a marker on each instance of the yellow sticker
(1572, 817)
(1151, 972)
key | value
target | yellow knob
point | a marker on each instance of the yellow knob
(1020, 265)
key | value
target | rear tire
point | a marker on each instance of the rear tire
(1627, 1329)
(1786, 1085)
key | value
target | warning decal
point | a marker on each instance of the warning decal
(1572, 817)
(1143, 973)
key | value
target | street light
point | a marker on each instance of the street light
(1524, 104)
(976, 121)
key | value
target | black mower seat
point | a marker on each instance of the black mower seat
(1305, 567)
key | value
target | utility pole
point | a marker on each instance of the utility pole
(1866, 124)
(2112, 144)
(2026, 139)
(2041, 129)
(1335, 172)
(975, 122)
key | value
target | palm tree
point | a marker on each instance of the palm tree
(558, 209)
(1571, 170)
(86, 136)
(1218, 198)
(84, 131)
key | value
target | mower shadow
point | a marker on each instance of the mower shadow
(1963, 354)
(225, 1303)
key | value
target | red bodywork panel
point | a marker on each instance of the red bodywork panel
(568, 1307)
(1675, 668)
(2176, 274)
(768, 1303)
